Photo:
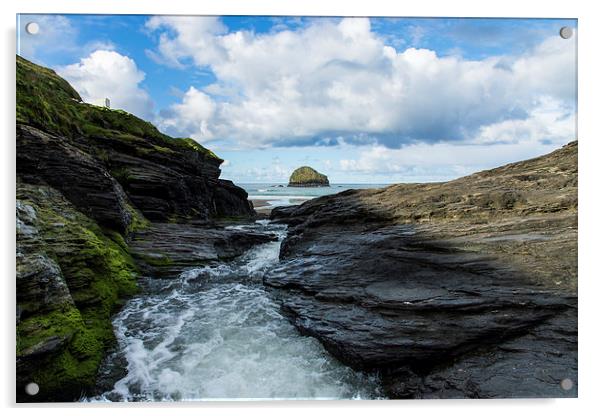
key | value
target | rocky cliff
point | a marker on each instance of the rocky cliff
(307, 177)
(91, 184)
(448, 290)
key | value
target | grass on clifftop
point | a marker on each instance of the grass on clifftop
(305, 174)
(47, 101)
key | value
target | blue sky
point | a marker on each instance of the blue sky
(363, 100)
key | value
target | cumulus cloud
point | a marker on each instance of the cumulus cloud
(335, 81)
(108, 74)
(193, 114)
(546, 127)
(549, 121)
(426, 162)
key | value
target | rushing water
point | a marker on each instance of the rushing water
(217, 333)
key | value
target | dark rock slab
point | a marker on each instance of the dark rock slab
(542, 363)
(165, 250)
(231, 200)
(460, 289)
(40, 283)
(45, 158)
(379, 301)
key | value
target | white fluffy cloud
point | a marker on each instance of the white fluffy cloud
(548, 125)
(108, 74)
(194, 113)
(549, 121)
(425, 162)
(339, 79)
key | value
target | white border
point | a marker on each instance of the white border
(590, 188)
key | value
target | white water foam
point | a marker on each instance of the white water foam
(217, 333)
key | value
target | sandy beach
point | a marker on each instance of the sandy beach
(265, 206)
(262, 206)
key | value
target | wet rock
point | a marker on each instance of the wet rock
(40, 284)
(69, 278)
(165, 250)
(44, 158)
(47, 346)
(231, 200)
(460, 289)
(180, 185)
(530, 366)
(88, 177)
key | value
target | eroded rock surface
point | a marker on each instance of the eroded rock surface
(165, 250)
(459, 289)
(70, 277)
(97, 156)
(89, 181)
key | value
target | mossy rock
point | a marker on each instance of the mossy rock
(61, 345)
(307, 177)
(47, 101)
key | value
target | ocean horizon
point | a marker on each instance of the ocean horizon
(279, 194)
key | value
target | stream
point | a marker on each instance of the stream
(216, 332)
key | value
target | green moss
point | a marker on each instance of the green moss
(123, 175)
(63, 322)
(70, 369)
(138, 221)
(307, 175)
(102, 154)
(47, 101)
(99, 272)
(160, 260)
(86, 344)
(64, 376)
(144, 151)
(192, 144)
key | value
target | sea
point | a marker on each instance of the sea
(278, 194)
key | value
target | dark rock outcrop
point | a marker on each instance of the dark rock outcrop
(83, 150)
(70, 276)
(89, 181)
(44, 158)
(305, 177)
(165, 250)
(457, 289)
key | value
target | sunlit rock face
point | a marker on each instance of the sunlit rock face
(459, 289)
(307, 177)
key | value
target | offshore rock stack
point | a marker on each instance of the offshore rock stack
(306, 177)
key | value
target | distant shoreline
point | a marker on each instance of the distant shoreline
(262, 206)
(266, 196)
(265, 206)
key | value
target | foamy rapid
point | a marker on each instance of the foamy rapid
(216, 333)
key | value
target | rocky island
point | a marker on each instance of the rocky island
(307, 177)
(463, 289)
